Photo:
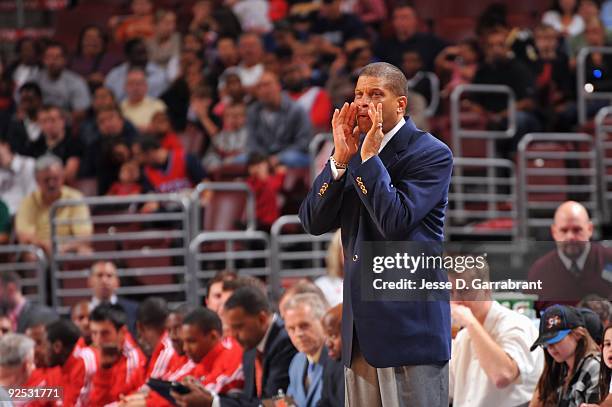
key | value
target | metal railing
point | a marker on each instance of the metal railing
(296, 254)
(221, 187)
(149, 249)
(245, 252)
(434, 88)
(30, 263)
(586, 91)
(537, 201)
(489, 136)
(603, 134)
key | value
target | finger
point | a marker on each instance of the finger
(335, 118)
(379, 112)
(372, 114)
(352, 114)
(342, 115)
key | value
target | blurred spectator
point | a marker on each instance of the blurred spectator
(332, 394)
(251, 68)
(563, 17)
(491, 364)
(412, 66)
(6, 327)
(575, 268)
(166, 41)
(111, 148)
(598, 65)
(104, 282)
(214, 290)
(588, 10)
(229, 145)
(227, 56)
(60, 86)
(313, 99)
(303, 286)
(332, 28)
(268, 351)
(457, 64)
(121, 364)
(252, 14)
(140, 24)
(26, 68)
(174, 322)
(68, 368)
(211, 21)
(58, 142)
(499, 67)
(6, 222)
(32, 222)
(162, 129)
(370, 12)
(136, 54)
(23, 132)
(37, 331)
(169, 170)
(593, 325)
(137, 107)
(79, 315)
(331, 284)
(128, 182)
(103, 98)
(277, 126)
(21, 311)
(606, 13)
(406, 37)
(92, 60)
(266, 183)
(16, 362)
(230, 91)
(16, 177)
(599, 305)
(554, 82)
(345, 69)
(153, 337)
(303, 314)
(571, 363)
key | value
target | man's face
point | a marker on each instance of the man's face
(6, 326)
(234, 117)
(249, 330)
(160, 123)
(173, 325)
(411, 63)
(29, 100)
(268, 89)
(52, 123)
(50, 181)
(102, 97)
(138, 55)
(197, 344)
(103, 280)
(148, 338)
(104, 334)
(38, 334)
(546, 41)
(571, 232)
(136, 86)
(54, 60)
(595, 35)
(405, 22)
(110, 122)
(80, 317)
(8, 296)
(496, 48)
(305, 331)
(333, 336)
(214, 297)
(56, 353)
(250, 49)
(227, 51)
(370, 89)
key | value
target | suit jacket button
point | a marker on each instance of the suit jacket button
(355, 257)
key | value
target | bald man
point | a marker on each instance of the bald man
(578, 266)
(333, 374)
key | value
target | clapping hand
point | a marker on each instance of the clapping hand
(346, 134)
(373, 140)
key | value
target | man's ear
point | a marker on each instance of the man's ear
(402, 104)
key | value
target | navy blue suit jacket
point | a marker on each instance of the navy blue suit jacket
(399, 195)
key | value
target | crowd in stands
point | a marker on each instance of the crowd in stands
(238, 92)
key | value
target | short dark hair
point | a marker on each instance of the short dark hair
(55, 44)
(153, 312)
(65, 331)
(256, 158)
(149, 143)
(220, 277)
(205, 319)
(244, 281)
(47, 107)
(31, 86)
(10, 277)
(395, 79)
(109, 312)
(183, 309)
(249, 298)
(131, 44)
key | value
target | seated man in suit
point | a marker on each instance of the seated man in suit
(332, 394)
(104, 282)
(578, 267)
(303, 313)
(21, 311)
(267, 351)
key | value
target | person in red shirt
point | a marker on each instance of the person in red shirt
(163, 131)
(128, 183)
(154, 339)
(265, 185)
(80, 317)
(121, 364)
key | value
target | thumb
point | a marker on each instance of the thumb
(356, 131)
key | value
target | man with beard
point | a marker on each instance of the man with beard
(577, 267)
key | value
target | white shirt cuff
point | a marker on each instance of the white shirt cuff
(337, 173)
(216, 401)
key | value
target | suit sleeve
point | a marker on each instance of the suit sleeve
(398, 208)
(320, 210)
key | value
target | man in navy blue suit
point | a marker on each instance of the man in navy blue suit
(391, 185)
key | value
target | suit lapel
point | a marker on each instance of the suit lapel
(398, 143)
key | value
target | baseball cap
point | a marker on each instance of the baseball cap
(556, 323)
(593, 324)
